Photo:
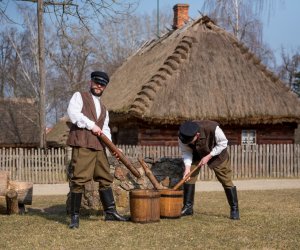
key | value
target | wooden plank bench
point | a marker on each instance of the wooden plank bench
(17, 193)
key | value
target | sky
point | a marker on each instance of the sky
(280, 27)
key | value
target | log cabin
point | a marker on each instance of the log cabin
(198, 71)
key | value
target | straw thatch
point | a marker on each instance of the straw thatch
(19, 124)
(198, 72)
(58, 135)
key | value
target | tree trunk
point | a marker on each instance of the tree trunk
(12, 202)
(24, 190)
(42, 74)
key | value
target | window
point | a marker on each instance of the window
(248, 137)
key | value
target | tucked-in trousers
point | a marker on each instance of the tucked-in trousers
(223, 173)
(88, 164)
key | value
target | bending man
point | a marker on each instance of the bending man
(203, 142)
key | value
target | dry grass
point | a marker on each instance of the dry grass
(269, 220)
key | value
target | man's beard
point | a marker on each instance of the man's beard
(96, 94)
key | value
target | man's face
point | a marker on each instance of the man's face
(195, 138)
(97, 89)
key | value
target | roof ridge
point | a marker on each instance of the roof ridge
(170, 65)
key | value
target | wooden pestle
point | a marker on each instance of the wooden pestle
(121, 156)
(150, 175)
(178, 185)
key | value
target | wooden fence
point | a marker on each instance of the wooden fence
(251, 161)
(255, 161)
(34, 165)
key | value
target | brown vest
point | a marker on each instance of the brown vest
(81, 137)
(206, 142)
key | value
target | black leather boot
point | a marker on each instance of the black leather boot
(231, 195)
(109, 206)
(75, 207)
(188, 199)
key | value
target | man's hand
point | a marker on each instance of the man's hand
(205, 160)
(96, 130)
(186, 171)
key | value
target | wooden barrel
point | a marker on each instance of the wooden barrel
(144, 205)
(171, 202)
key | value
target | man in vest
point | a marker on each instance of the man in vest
(203, 142)
(89, 160)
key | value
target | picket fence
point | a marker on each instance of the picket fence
(253, 161)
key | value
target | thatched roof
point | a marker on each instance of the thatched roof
(57, 136)
(19, 123)
(199, 72)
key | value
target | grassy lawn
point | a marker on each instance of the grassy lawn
(269, 220)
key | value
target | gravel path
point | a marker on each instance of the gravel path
(201, 186)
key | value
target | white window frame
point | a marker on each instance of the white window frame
(248, 137)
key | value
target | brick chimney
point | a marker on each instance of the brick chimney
(181, 15)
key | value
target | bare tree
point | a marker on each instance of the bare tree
(84, 43)
(118, 40)
(6, 51)
(290, 67)
(19, 62)
(237, 14)
(84, 11)
(242, 18)
(70, 60)
(75, 53)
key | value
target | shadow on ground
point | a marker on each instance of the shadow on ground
(59, 214)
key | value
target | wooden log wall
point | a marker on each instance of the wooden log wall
(167, 135)
(265, 134)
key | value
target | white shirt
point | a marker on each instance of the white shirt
(78, 118)
(187, 152)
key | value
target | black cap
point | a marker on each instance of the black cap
(100, 77)
(187, 131)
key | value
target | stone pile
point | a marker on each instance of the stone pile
(167, 171)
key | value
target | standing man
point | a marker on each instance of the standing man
(89, 160)
(203, 142)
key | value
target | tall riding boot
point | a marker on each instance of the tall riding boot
(231, 195)
(188, 199)
(109, 206)
(75, 207)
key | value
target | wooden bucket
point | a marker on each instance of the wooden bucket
(144, 205)
(171, 202)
